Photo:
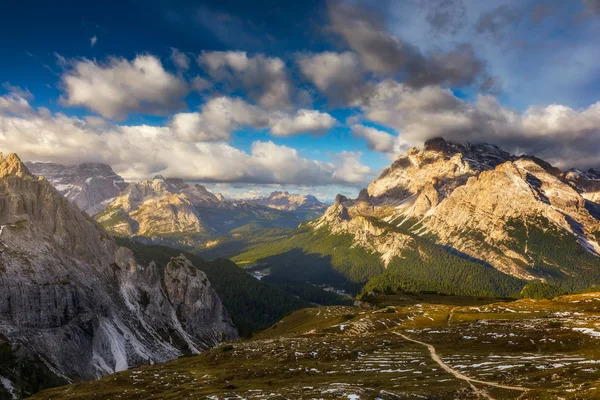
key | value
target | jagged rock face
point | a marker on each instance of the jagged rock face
(89, 186)
(303, 204)
(71, 296)
(445, 165)
(173, 212)
(473, 199)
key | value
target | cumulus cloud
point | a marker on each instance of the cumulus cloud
(199, 84)
(93, 40)
(218, 118)
(349, 169)
(15, 101)
(119, 87)
(338, 76)
(263, 77)
(382, 53)
(559, 134)
(180, 59)
(139, 152)
(376, 140)
(303, 121)
(221, 116)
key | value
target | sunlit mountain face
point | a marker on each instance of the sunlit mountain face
(337, 199)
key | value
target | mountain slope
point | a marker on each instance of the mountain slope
(89, 186)
(77, 305)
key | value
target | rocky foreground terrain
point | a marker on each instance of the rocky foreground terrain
(75, 305)
(408, 347)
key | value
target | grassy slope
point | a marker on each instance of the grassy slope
(321, 257)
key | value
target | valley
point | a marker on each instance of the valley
(410, 346)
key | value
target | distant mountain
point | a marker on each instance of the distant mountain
(305, 206)
(74, 304)
(176, 213)
(458, 218)
(89, 186)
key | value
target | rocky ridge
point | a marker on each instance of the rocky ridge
(70, 296)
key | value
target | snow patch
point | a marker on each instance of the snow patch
(8, 385)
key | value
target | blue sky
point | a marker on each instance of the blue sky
(313, 96)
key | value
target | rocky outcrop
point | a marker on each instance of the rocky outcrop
(70, 296)
(89, 186)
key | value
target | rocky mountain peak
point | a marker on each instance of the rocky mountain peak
(13, 166)
(436, 144)
(340, 198)
(442, 163)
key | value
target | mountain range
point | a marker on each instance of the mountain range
(451, 217)
(170, 211)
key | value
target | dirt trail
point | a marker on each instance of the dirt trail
(459, 375)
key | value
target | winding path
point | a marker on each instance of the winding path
(457, 374)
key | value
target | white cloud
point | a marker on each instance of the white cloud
(93, 40)
(376, 140)
(139, 152)
(263, 77)
(556, 133)
(337, 75)
(349, 168)
(221, 116)
(119, 87)
(218, 118)
(303, 121)
(15, 101)
(181, 60)
(199, 84)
